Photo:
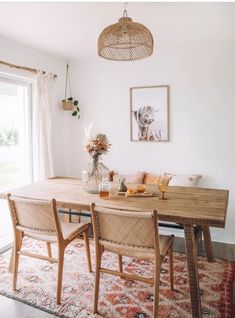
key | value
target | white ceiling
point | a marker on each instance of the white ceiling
(71, 30)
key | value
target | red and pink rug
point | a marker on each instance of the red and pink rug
(118, 297)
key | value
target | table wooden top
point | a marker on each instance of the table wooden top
(184, 205)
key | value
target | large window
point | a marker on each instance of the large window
(15, 144)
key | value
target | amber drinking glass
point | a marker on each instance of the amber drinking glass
(163, 184)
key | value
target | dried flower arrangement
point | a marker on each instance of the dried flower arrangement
(97, 146)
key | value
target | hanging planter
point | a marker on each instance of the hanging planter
(70, 103)
(67, 104)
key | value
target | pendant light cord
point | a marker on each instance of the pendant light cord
(125, 15)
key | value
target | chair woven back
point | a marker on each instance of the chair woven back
(136, 229)
(33, 216)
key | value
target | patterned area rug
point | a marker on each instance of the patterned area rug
(118, 297)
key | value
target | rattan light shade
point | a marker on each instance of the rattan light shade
(125, 41)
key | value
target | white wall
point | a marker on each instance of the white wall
(13, 52)
(202, 93)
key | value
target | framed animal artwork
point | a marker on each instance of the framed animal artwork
(149, 111)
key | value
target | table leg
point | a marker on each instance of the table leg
(190, 245)
(68, 217)
(207, 242)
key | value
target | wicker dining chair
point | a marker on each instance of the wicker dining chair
(39, 220)
(133, 234)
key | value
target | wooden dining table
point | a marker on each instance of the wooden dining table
(185, 205)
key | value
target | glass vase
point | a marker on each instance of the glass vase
(93, 174)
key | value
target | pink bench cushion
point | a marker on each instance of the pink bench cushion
(137, 177)
(151, 178)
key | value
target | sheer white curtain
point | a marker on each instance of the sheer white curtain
(41, 137)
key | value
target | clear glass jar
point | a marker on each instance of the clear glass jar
(92, 176)
(104, 188)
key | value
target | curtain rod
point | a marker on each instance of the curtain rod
(29, 69)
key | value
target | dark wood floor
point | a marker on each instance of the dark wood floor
(13, 309)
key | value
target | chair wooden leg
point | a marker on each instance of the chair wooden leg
(15, 267)
(170, 253)
(156, 289)
(19, 240)
(97, 279)
(60, 273)
(120, 263)
(10, 266)
(16, 249)
(49, 250)
(88, 254)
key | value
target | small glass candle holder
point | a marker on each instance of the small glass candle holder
(163, 184)
(104, 188)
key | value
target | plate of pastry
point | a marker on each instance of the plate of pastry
(139, 191)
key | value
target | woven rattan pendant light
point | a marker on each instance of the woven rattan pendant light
(125, 41)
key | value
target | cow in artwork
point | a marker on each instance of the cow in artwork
(145, 118)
